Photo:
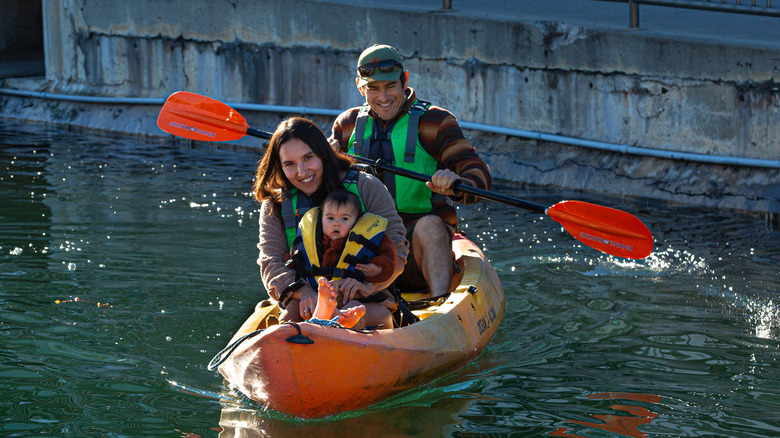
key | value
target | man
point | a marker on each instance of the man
(409, 133)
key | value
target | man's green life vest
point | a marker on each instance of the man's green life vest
(411, 196)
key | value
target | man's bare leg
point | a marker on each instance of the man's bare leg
(433, 253)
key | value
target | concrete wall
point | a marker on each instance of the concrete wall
(615, 86)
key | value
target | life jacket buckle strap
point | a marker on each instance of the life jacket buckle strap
(329, 273)
(362, 240)
(360, 128)
(352, 260)
(411, 132)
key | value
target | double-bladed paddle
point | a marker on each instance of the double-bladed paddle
(612, 231)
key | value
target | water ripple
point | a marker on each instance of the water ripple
(128, 263)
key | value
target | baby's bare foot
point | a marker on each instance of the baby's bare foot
(350, 317)
(326, 300)
(327, 304)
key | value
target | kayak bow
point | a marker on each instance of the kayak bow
(308, 370)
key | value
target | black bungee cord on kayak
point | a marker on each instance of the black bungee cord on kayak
(227, 351)
(299, 338)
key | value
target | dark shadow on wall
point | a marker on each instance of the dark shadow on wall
(21, 39)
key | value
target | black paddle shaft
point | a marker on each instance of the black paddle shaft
(258, 133)
(458, 187)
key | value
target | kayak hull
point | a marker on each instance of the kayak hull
(343, 370)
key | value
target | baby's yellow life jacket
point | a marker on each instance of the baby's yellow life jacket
(360, 246)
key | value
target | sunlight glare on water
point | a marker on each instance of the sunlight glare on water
(127, 264)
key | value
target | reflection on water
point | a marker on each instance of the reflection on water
(405, 421)
(619, 424)
(126, 264)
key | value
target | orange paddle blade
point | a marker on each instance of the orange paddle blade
(197, 117)
(606, 229)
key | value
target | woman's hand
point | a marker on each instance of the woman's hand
(308, 303)
(352, 289)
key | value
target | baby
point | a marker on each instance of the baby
(341, 210)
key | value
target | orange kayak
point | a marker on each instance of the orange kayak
(342, 370)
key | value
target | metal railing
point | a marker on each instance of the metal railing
(750, 7)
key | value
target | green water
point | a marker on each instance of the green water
(126, 264)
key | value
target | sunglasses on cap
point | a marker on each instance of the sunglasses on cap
(385, 66)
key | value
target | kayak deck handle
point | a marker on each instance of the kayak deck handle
(299, 338)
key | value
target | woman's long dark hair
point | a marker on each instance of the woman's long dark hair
(270, 180)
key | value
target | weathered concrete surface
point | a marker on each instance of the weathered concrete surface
(606, 84)
(538, 163)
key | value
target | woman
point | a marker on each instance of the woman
(297, 172)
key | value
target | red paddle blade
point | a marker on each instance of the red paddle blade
(608, 230)
(197, 117)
